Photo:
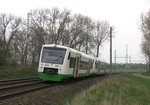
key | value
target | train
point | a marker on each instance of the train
(59, 62)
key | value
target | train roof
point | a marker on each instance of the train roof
(55, 45)
(73, 50)
(60, 46)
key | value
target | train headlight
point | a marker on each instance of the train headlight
(42, 64)
(61, 66)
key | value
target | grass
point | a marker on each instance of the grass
(141, 81)
(120, 90)
(16, 72)
(146, 73)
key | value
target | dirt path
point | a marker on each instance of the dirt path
(140, 75)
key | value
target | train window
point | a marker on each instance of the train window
(91, 64)
(84, 65)
(72, 62)
(96, 65)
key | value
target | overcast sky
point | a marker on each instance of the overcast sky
(124, 15)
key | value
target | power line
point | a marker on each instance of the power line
(127, 57)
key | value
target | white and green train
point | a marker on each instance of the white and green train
(60, 62)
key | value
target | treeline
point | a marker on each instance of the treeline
(132, 66)
(21, 39)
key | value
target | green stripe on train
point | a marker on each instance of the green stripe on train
(57, 77)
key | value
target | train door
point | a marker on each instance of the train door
(76, 73)
(89, 67)
(99, 67)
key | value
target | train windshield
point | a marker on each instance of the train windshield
(53, 55)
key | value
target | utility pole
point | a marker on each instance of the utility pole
(115, 57)
(126, 54)
(130, 59)
(114, 60)
(110, 50)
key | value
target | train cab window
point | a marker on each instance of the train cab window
(53, 55)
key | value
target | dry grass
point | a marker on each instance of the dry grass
(114, 91)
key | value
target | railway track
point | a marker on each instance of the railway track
(15, 87)
(10, 89)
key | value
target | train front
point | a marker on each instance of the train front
(51, 63)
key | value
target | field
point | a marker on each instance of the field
(120, 90)
(16, 72)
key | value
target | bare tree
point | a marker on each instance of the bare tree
(89, 24)
(9, 26)
(101, 34)
(76, 31)
(5, 21)
(19, 44)
(80, 33)
(2, 53)
(146, 51)
(145, 27)
(64, 25)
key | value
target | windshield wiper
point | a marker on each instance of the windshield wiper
(56, 59)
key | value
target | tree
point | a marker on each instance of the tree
(2, 53)
(9, 26)
(145, 27)
(146, 51)
(76, 31)
(101, 34)
(89, 24)
(19, 45)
